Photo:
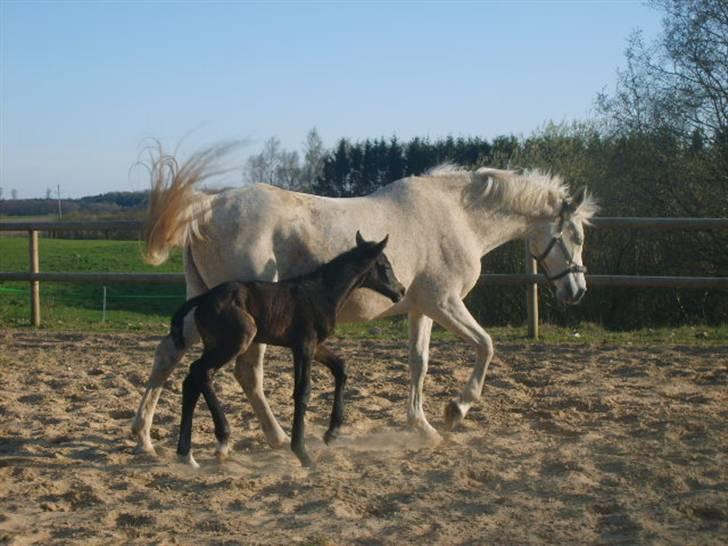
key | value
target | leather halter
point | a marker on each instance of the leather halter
(558, 239)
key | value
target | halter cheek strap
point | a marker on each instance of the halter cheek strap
(558, 239)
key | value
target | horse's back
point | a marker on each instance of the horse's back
(261, 232)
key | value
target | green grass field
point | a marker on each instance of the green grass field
(134, 307)
(79, 306)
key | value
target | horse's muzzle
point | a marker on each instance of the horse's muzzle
(575, 297)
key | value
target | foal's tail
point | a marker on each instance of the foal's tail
(177, 330)
(176, 209)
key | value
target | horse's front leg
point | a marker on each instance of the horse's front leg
(337, 366)
(453, 315)
(249, 373)
(420, 328)
(302, 357)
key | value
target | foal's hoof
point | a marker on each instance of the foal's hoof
(188, 459)
(330, 436)
(453, 415)
(221, 452)
(305, 459)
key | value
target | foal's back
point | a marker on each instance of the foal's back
(274, 313)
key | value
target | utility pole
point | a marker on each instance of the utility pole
(60, 212)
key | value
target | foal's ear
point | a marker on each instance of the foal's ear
(359, 239)
(381, 244)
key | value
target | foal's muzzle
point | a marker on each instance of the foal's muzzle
(395, 293)
(398, 294)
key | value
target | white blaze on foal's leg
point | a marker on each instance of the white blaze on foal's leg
(189, 460)
(222, 450)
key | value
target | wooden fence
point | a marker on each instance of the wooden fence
(531, 279)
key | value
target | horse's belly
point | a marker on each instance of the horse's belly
(366, 305)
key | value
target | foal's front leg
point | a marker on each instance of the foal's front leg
(336, 364)
(302, 356)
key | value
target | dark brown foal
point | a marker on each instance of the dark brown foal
(298, 313)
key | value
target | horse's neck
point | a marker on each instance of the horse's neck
(498, 229)
(480, 226)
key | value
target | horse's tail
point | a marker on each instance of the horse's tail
(176, 208)
(177, 329)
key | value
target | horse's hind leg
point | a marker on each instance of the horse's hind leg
(336, 364)
(454, 316)
(420, 329)
(166, 358)
(249, 373)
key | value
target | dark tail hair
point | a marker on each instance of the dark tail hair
(178, 320)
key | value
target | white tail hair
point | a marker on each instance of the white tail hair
(175, 207)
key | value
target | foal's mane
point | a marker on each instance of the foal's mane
(530, 192)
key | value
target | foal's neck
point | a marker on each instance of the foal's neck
(338, 283)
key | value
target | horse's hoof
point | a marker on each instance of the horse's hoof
(145, 449)
(188, 459)
(453, 415)
(424, 430)
(280, 443)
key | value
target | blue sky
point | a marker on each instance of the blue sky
(83, 84)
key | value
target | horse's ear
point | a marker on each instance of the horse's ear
(359, 239)
(579, 197)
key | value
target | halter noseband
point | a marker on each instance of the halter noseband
(558, 239)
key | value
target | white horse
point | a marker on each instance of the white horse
(440, 226)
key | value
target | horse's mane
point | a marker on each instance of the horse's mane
(530, 192)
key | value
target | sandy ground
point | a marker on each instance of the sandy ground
(570, 445)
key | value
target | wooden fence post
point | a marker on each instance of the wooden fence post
(531, 295)
(34, 285)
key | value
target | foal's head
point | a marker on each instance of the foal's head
(365, 265)
(380, 277)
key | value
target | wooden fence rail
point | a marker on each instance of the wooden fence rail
(530, 279)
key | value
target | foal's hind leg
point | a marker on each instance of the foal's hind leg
(336, 364)
(222, 429)
(198, 381)
(166, 358)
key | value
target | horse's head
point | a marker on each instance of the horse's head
(380, 277)
(557, 244)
